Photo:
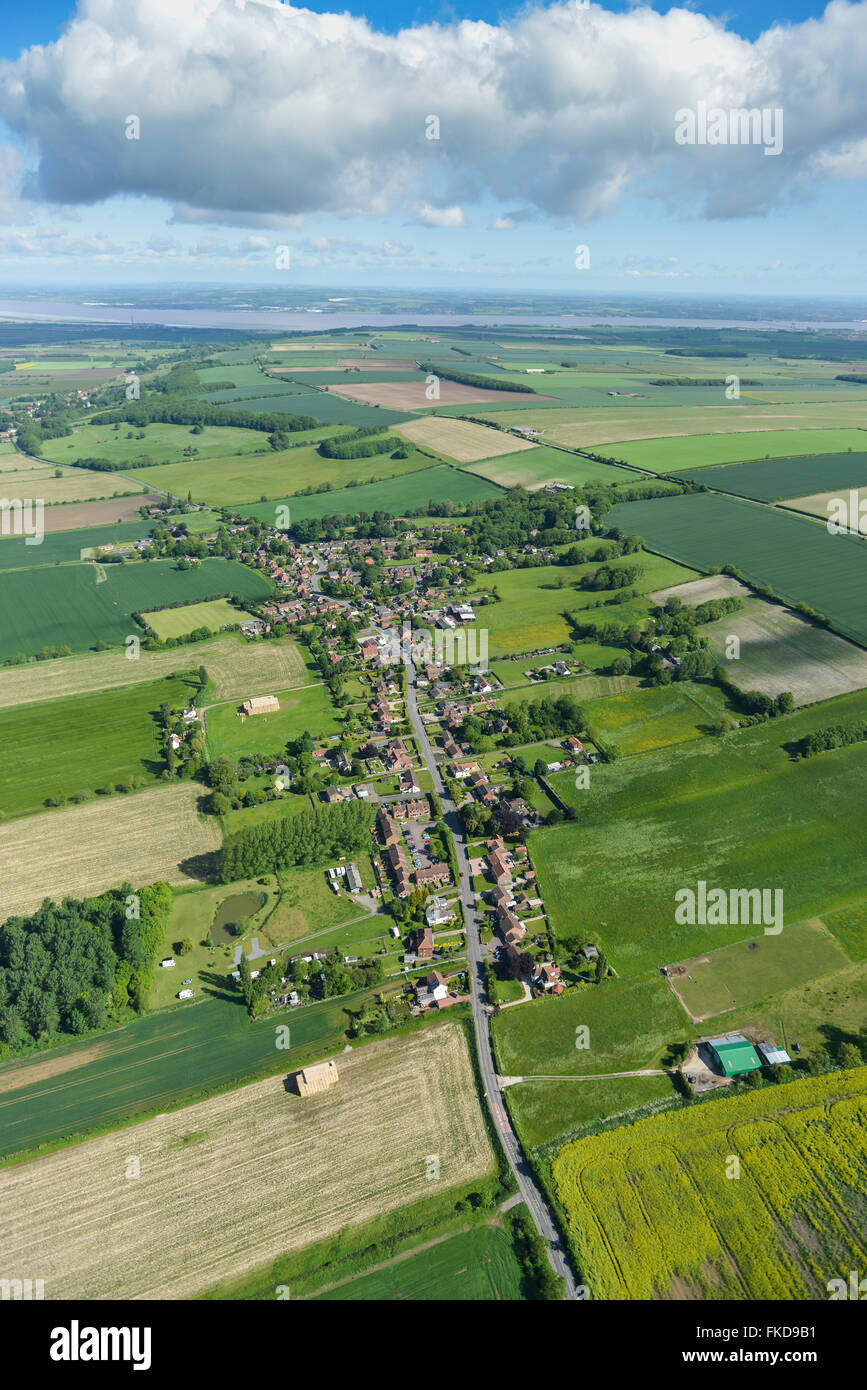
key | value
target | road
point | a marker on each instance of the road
(493, 1093)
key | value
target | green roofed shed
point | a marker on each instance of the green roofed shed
(736, 1054)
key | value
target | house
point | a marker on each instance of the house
(591, 953)
(502, 895)
(407, 783)
(438, 912)
(332, 794)
(312, 1081)
(573, 744)
(499, 866)
(387, 828)
(414, 810)
(431, 990)
(353, 878)
(422, 942)
(362, 792)
(735, 1054)
(547, 976)
(261, 704)
(254, 627)
(175, 741)
(434, 873)
(190, 715)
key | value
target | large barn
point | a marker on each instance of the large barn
(735, 1054)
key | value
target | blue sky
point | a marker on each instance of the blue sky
(567, 144)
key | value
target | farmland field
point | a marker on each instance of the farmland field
(161, 443)
(798, 559)
(747, 971)
(149, 836)
(63, 547)
(461, 440)
(639, 720)
(615, 429)
(651, 824)
(817, 503)
(177, 622)
(73, 485)
(411, 395)
(248, 477)
(235, 666)
(105, 738)
(671, 455)
(392, 495)
(770, 480)
(73, 606)
(539, 465)
(310, 708)
(174, 1234)
(652, 1215)
(630, 1022)
(555, 1110)
(72, 515)
(473, 1266)
(533, 607)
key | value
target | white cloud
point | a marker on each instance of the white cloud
(501, 224)
(428, 216)
(262, 115)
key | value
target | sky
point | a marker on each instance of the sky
(565, 148)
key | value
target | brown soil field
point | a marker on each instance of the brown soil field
(410, 395)
(236, 667)
(55, 1064)
(85, 850)
(229, 1184)
(461, 440)
(78, 514)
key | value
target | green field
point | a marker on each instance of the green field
(686, 452)
(176, 622)
(160, 1061)
(82, 744)
(735, 811)
(473, 1266)
(249, 477)
(652, 1214)
(63, 547)
(630, 1023)
(394, 495)
(748, 971)
(794, 556)
(68, 607)
(640, 720)
(544, 1111)
(771, 480)
(533, 605)
(309, 708)
(161, 443)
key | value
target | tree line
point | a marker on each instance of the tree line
(311, 837)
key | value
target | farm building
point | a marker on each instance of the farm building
(771, 1055)
(261, 704)
(353, 878)
(313, 1080)
(735, 1055)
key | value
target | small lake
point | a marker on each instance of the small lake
(230, 912)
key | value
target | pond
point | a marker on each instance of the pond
(230, 912)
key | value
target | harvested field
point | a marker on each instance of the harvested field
(382, 364)
(87, 849)
(77, 515)
(817, 503)
(460, 439)
(410, 395)
(75, 485)
(235, 666)
(780, 650)
(703, 590)
(221, 1183)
